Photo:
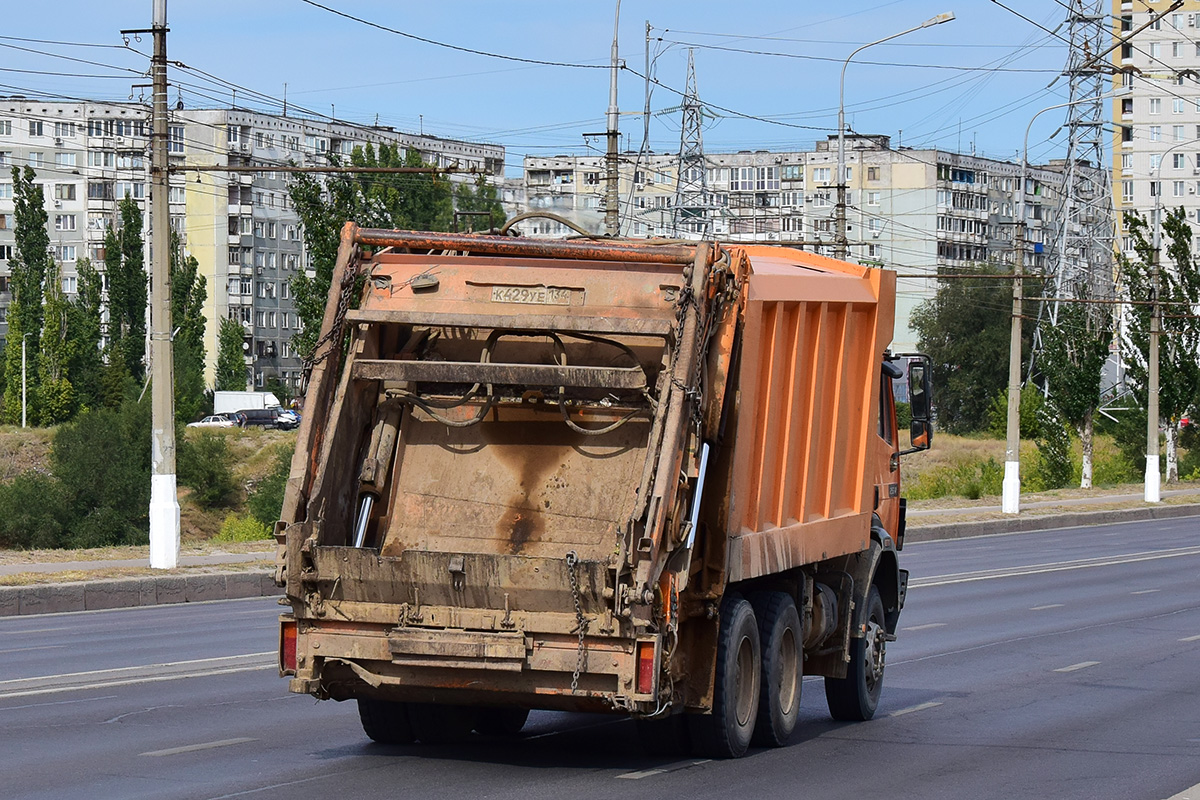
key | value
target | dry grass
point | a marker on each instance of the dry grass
(11, 557)
(23, 449)
(106, 573)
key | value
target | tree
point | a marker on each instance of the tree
(28, 266)
(414, 201)
(1072, 359)
(124, 262)
(57, 393)
(231, 363)
(1179, 340)
(83, 331)
(482, 198)
(965, 329)
(188, 294)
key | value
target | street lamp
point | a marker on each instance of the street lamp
(1152, 493)
(842, 248)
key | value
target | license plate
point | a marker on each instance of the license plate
(531, 295)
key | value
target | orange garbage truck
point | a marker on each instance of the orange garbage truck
(657, 479)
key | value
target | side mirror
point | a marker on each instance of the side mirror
(921, 434)
(918, 391)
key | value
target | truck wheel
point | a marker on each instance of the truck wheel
(782, 668)
(726, 732)
(439, 723)
(384, 721)
(855, 697)
(501, 721)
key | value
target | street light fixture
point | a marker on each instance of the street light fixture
(842, 248)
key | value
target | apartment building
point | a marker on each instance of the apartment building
(239, 226)
(916, 211)
(1156, 108)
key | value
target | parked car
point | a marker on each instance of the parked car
(287, 420)
(263, 417)
(215, 421)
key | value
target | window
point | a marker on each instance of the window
(6, 222)
(64, 129)
(1155, 133)
(64, 222)
(272, 322)
(1179, 161)
(792, 172)
(35, 127)
(176, 194)
(64, 252)
(260, 320)
(270, 230)
(6, 254)
(247, 290)
(1177, 132)
(1155, 160)
(271, 260)
(1126, 106)
(6, 191)
(70, 284)
(64, 191)
(1155, 47)
(872, 198)
(872, 173)
(37, 159)
(1177, 21)
(1177, 188)
(135, 190)
(821, 174)
(231, 132)
(260, 260)
(6, 125)
(98, 158)
(286, 289)
(1154, 188)
(64, 159)
(130, 160)
(1176, 49)
(259, 229)
(5, 158)
(1155, 105)
(1126, 160)
(1177, 105)
(174, 138)
(245, 225)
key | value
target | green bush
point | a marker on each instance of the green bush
(33, 512)
(266, 500)
(205, 465)
(239, 528)
(1052, 468)
(970, 479)
(1031, 404)
(102, 460)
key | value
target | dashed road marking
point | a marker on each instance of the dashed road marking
(1191, 638)
(649, 773)
(1080, 665)
(1187, 794)
(1146, 591)
(191, 748)
(1043, 608)
(924, 627)
(912, 709)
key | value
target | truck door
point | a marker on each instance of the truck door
(887, 463)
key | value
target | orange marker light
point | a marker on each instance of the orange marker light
(645, 667)
(287, 647)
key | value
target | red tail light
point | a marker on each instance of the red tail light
(287, 647)
(645, 667)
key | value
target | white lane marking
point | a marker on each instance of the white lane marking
(1043, 608)
(1146, 591)
(191, 748)
(1054, 566)
(1080, 665)
(647, 773)
(913, 709)
(924, 627)
(1190, 639)
(59, 702)
(27, 649)
(147, 673)
(34, 630)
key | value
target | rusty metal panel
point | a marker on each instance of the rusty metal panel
(625, 251)
(460, 649)
(543, 375)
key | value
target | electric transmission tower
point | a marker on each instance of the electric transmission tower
(691, 217)
(1080, 263)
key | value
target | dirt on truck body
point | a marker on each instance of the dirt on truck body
(657, 479)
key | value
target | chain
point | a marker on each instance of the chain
(581, 622)
(335, 333)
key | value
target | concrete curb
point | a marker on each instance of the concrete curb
(56, 598)
(964, 530)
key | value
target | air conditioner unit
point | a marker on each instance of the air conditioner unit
(58, 142)
(58, 203)
(260, 270)
(244, 147)
(120, 140)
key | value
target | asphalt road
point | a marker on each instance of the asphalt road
(1058, 664)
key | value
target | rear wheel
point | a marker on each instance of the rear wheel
(726, 732)
(855, 697)
(782, 668)
(438, 723)
(501, 721)
(384, 721)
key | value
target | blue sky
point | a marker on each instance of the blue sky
(335, 65)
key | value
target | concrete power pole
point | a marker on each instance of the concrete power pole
(612, 195)
(164, 505)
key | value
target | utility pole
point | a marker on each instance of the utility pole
(1152, 493)
(164, 505)
(691, 207)
(1011, 498)
(612, 196)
